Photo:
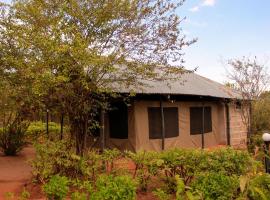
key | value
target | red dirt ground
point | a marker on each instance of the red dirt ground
(15, 171)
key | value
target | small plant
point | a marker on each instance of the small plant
(57, 188)
(184, 163)
(161, 194)
(255, 187)
(79, 196)
(147, 164)
(12, 137)
(110, 156)
(183, 192)
(24, 195)
(9, 196)
(216, 186)
(114, 188)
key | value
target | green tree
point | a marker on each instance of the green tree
(261, 113)
(70, 53)
(250, 77)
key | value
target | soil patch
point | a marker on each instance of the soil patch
(15, 171)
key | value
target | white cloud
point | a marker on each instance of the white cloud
(209, 2)
(194, 9)
(198, 24)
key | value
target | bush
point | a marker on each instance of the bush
(109, 156)
(147, 164)
(114, 188)
(59, 158)
(57, 188)
(78, 196)
(261, 113)
(227, 161)
(188, 163)
(12, 137)
(216, 186)
(37, 131)
(181, 162)
(161, 194)
(259, 187)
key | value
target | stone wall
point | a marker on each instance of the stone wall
(238, 128)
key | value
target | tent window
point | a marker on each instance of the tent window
(118, 121)
(196, 120)
(170, 121)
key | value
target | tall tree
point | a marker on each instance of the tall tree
(72, 52)
(251, 79)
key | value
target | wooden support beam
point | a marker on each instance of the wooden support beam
(162, 124)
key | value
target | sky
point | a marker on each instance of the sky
(225, 29)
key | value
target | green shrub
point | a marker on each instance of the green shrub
(147, 164)
(37, 130)
(259, 187)
(57, 187)
(114, 188)
(183, 192)
(161, 194)
(59, 158)
(109, 156)
(216, 186)
(12, 137)
(79, 196)
(227, 161)
(182, 162)
(24, 195)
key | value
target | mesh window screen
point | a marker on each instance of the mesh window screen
(118, 121)
(170, 121)
(196, 120)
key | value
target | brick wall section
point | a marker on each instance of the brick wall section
(238, 128)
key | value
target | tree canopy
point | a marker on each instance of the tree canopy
(66, 54)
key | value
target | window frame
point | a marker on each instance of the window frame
(118, 126)
(196, 125)
(175, 132)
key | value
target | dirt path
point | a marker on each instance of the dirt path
(15, 172)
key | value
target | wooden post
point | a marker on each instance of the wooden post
(203, 128)
(162, 124)
(47, 122)
(228, 124)
(62, 126)
(102, 131)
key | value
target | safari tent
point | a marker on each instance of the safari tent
(194, 112)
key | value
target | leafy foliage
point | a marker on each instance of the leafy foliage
(109, 157)
(25, 195)
(58, 158)
(259, 187)
(12, 137)
(66, 55)
(78, 196)
(190, 174)
(216, 186)
(147, 164)
(227, 161)
(114, 188)
(37, 131)
(183, 192)
(261, 113)
(161, 194)
(57, 187)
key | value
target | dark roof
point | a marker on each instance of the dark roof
(188, 84)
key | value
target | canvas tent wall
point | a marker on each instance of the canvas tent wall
(139, 138)
(192, 91)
